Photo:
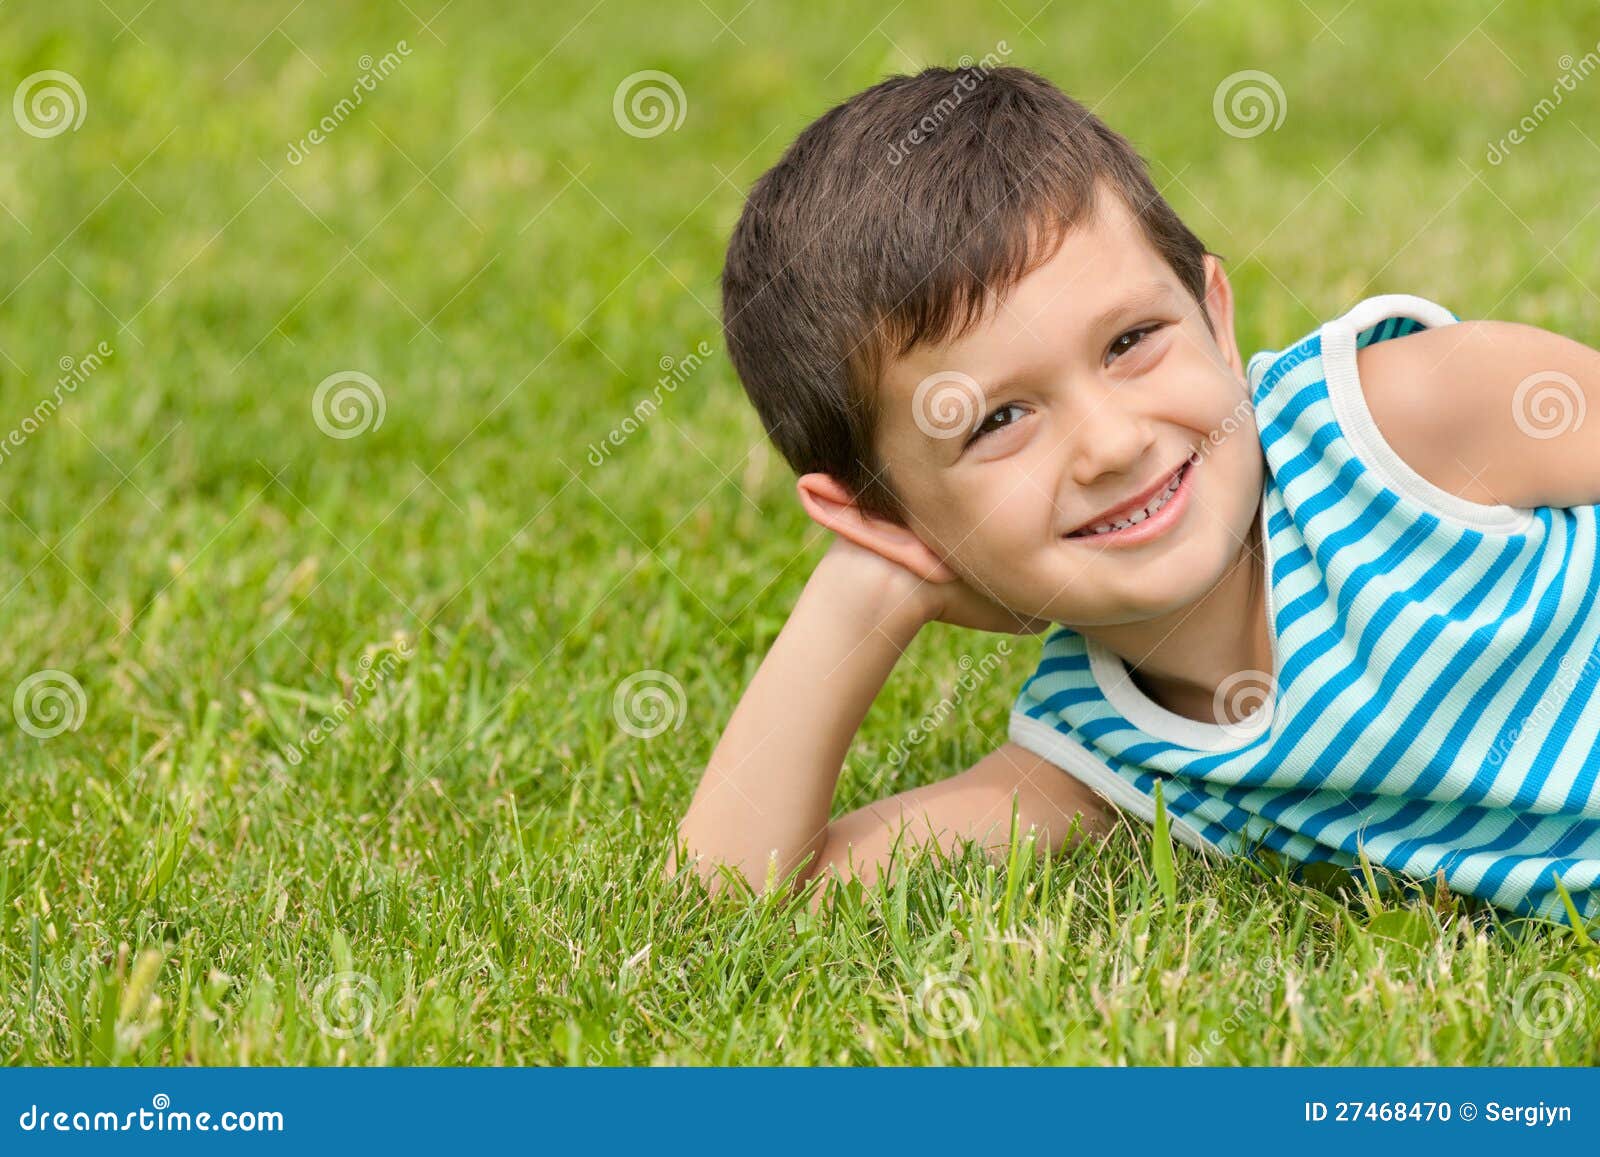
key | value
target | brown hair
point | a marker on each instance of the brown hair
(890, 221)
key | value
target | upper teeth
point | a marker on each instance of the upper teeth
(1138, 516)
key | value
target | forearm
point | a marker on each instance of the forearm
(766, 796)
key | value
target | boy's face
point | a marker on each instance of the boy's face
(1095, 379)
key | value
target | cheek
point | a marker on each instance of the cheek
(996, 530)
(1209, 404)
(997, 510)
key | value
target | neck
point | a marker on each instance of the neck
(1182, 659)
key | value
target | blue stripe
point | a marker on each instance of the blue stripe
(1448, 680)
(1397, 673)
(1312, 455)
(1287, 417)
(1534, 687)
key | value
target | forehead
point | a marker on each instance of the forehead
(1101, 261)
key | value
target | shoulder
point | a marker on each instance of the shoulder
(1491, 411)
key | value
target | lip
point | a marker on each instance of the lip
(1153, 527)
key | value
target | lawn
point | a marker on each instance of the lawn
(385, 538)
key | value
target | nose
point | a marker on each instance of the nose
(1109, 438)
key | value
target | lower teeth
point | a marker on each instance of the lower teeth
(1148, 514)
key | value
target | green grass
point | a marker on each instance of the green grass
(465, 870)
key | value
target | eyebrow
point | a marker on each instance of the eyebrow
(1146, 296)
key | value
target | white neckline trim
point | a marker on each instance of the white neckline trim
(1361, 430)
(1110, 673)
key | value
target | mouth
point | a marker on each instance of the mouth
(1147, 516)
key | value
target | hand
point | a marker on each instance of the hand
(894, 590)
(962, 605)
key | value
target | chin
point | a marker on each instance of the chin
(1151, 593)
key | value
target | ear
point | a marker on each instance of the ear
(1219, 308)
(831, 505)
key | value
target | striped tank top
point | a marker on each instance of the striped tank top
(1433, 701)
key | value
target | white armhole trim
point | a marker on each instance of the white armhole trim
(1355, 417)
(1071, 757)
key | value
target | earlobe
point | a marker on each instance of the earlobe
(832, 506)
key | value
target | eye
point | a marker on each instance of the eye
(999, 419)
(1128, 341)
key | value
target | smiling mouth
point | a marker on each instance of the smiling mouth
(1152, 507)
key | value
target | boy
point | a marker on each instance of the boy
(1318, 598)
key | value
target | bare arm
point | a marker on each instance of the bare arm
(763, 804)
(1495, 412)
(974, 805)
